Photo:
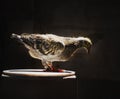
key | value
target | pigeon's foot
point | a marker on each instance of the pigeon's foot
(52, 69)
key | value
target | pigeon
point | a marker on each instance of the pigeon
(50, 47)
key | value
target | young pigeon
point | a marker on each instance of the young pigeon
(49, 47)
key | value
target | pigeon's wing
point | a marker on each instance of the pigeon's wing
(49, 47)
(68, 52)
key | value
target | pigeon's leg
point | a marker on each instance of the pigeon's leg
(49, 67)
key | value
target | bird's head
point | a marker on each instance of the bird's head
(85, 43)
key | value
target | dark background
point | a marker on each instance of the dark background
(96, 19)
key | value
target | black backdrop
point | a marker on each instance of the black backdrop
(66, 18)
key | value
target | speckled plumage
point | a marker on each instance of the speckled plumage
(49, 47)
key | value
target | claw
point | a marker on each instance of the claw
(49, 67)
(52, 69)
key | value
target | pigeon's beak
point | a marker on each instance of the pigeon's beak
(17, 37)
